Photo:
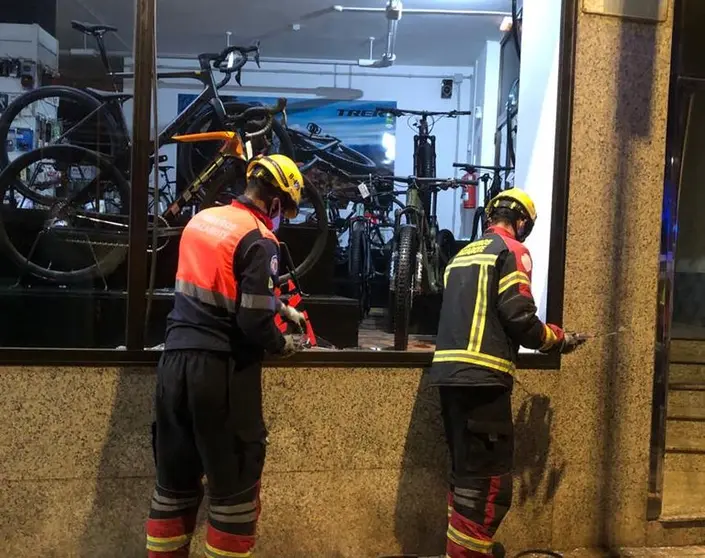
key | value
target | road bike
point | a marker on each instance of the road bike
(93, 119)
(424, 143)
(314, 147)
(420, 251)
(492, 184)
(77, 227)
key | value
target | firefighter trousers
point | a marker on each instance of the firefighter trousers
(480, 436)
(208, 421)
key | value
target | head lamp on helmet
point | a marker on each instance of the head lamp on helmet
(517, 203)
(282, 173)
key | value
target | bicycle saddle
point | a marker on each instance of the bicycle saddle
(92, 29)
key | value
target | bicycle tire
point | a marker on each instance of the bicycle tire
(403, 292)
(112, 259)
(230, 176)
(344, 158)
(61, 91)
(191, 160)
(357, 268)
(319, 245)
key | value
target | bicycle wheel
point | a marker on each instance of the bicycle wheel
(70, 116)
(193, 157)
(230, 183)
(403, 287)
(341, 156)
(72, 237)
(358, 265)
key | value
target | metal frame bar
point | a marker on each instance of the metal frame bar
(145, 13)
(681, 90)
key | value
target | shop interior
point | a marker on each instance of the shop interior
(405, 118)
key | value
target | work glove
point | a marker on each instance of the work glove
(289, 346)
(293, 316)
(572, 341)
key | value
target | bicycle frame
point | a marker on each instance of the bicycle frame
(313, 153)
(232, 148)
(426, 230)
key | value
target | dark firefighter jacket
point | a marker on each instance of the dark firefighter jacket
(224, 292)
(488, 311)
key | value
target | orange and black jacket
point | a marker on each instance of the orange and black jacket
(224, 294)
(488, 311)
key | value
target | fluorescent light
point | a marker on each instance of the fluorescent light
(506, 24)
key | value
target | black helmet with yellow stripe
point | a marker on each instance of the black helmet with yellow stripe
(515, 205)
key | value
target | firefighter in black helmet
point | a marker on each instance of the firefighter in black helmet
(488, 312)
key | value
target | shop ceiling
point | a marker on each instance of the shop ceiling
(186, 27)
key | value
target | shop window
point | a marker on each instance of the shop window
(401, 147)
(65, 187)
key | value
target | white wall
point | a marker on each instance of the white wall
(411, 87)
(536, 135)
(481, 151)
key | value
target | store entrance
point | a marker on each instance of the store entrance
(680, 370)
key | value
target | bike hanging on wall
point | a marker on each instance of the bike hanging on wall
(76, 201)
(315, 147)
(94, 119)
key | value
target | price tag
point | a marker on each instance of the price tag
(364, 191)
(248, 150)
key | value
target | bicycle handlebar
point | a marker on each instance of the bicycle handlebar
(409, 180)
(423, 113)
(470, 168)
(226, 61)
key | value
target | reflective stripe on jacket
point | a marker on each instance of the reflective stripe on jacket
(488, 311)
(224, 291)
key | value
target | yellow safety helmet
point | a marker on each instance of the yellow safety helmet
(519, 201)
(284, 174)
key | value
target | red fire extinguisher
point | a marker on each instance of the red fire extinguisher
(470, 191)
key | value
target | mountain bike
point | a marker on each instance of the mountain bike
(80, 203)
(93, 119)
(491, 185)
(420, 251)
(364, 226)
(315, 147)
(424, 143)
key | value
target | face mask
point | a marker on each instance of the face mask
(275, 214)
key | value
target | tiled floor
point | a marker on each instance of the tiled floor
(373, 335)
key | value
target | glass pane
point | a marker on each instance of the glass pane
(689, 282)
(64, 185)
(348, 124)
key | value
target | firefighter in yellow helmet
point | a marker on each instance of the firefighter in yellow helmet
(488, 312)
(209, 397)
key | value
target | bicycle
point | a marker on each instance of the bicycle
(424, 142)
(420, 251)
(167, 190)
(316, 147)
(83, 201)
(93, 119)
(364, 226)
(492, 185)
